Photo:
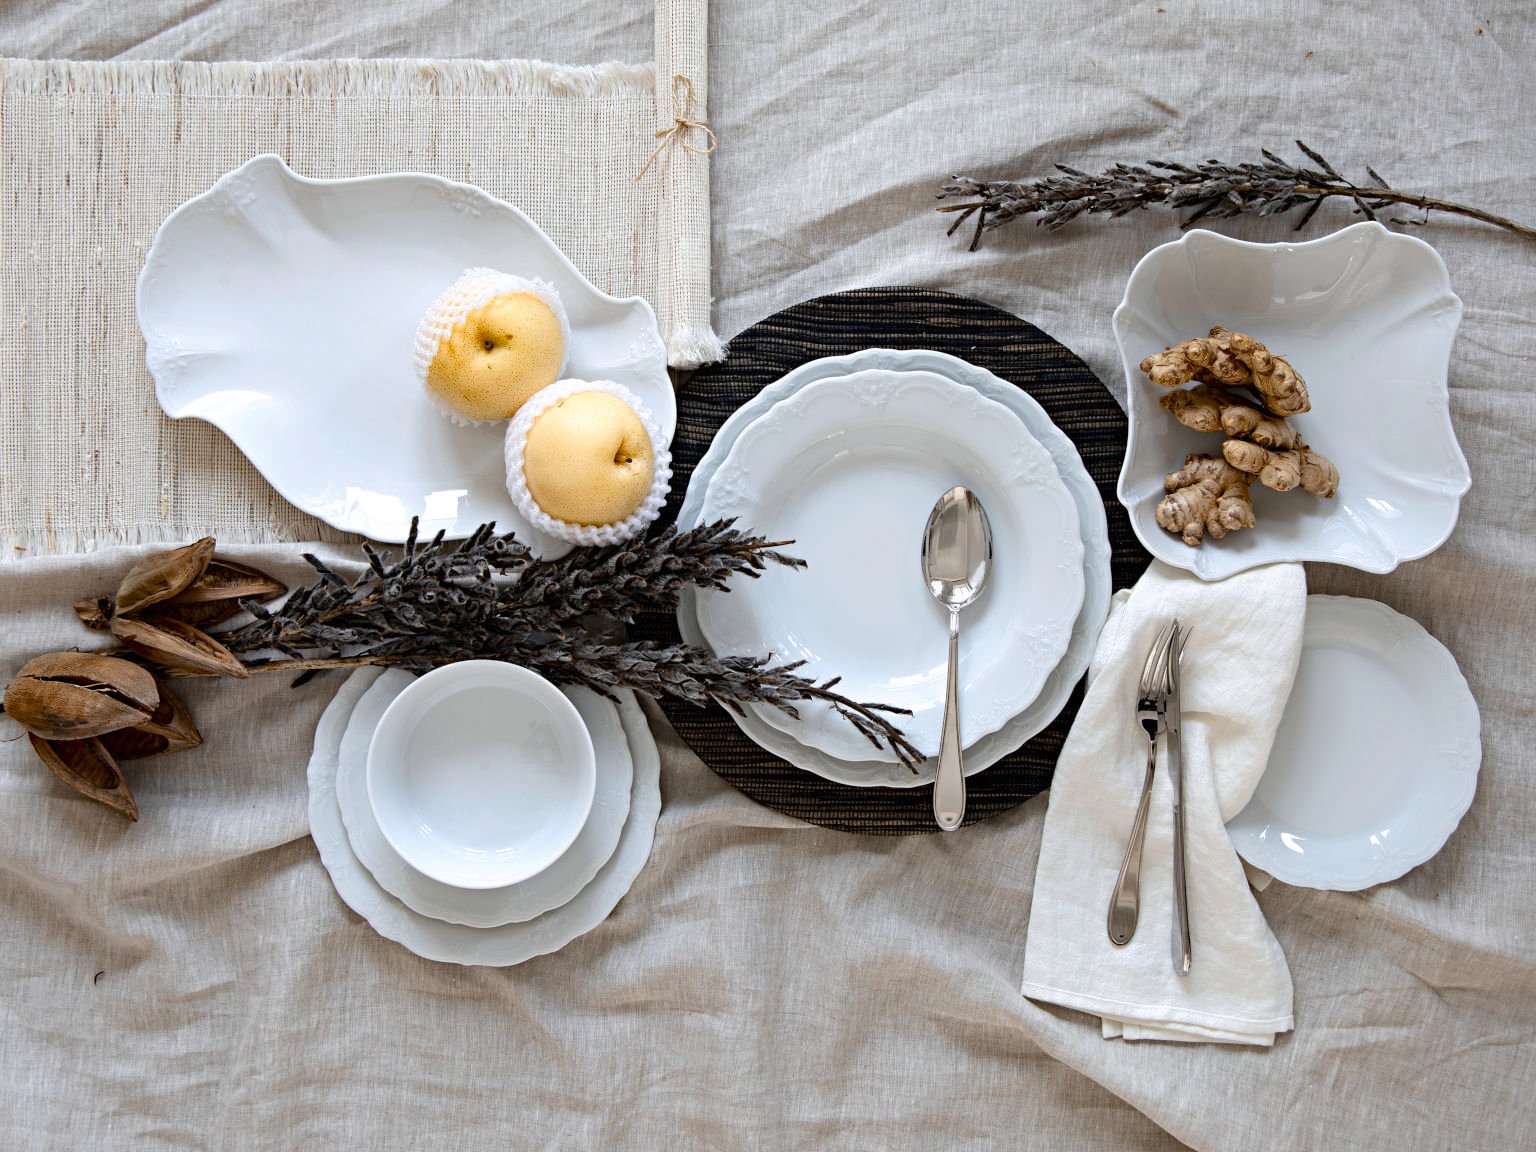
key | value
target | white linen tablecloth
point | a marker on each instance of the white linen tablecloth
(194, 982)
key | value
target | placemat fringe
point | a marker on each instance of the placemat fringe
(337, 79)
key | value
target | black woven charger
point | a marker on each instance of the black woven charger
(893, 318)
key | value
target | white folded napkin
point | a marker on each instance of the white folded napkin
(1237, 674)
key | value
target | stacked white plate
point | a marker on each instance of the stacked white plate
(495, 926)
(846, 456)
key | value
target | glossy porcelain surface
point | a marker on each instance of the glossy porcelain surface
(455, 943)
(283, 310)
(1376, 758)
(490, 907)
(983, 751)
(849, 469)
(480, 774)
(1367, 317)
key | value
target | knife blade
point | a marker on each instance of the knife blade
(1173, 720)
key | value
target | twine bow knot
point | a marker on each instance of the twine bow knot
(683, 124)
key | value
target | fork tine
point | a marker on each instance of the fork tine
(1152, 672)
(1175, 660)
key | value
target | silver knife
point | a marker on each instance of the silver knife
(1173, 719)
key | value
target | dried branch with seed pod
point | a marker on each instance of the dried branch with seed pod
(485, 597)
(1213, 190)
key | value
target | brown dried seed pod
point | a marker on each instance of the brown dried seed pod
(174, 644)
(76, 695)
(87, 767)
(163, 575)
(226, 580)
(170, 729)
(215, 596)
(204, 616)
(95, 611)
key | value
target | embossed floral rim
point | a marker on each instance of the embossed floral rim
(878, 402)
(1446, 792)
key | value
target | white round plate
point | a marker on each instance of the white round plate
(986, 750)
(849, 469)
(1376, 758)
(456, 943)
(283, 310)
(491, 907)
(1367, 317)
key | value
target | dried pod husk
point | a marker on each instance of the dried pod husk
(95, 611)
(174, 644)
(215, 596)
(170, 729)
(77, 695)
(202, 616)
(87, 767)
(162, 576)
(226, 580)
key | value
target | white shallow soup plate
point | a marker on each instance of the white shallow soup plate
(481, 774)
(284, 310)
(1376, 758)
(1367, 317)
(984, 751)
(849, 468)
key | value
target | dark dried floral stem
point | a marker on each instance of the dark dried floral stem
(1431, 204)
(730, 684)
(440, 603)
(1211, 189)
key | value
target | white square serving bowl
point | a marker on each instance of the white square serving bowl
(1367, 317)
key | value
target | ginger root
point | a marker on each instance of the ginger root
(1282, 471)
(1202, 358)
(1233, 359)
(1259, 444)
(1280, 386)
(1207, 495)
(1206, 408)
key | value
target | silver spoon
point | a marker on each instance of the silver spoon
(957, 559)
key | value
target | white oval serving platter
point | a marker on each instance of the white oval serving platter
(283, 310)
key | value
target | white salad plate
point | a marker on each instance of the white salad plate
(849, 468)
(489, 907)
(1376, 758)
(981, 753)
(1367, 317)
(457, 943)
(283, 310)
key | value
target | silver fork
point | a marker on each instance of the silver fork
(1125, 902)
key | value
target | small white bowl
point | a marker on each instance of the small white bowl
(481, 774)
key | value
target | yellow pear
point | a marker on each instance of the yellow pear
(588, 460)
(500, 354)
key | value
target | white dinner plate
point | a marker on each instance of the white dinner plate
(284, 310)
(486, 907)
(456, 943)
(986, 750)
(1376, 758)
(1367, 317)
(849, 468)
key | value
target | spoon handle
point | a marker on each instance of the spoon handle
(949, 787)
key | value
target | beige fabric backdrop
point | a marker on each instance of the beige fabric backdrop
(771, 986)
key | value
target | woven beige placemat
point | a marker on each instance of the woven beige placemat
(94, 156)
